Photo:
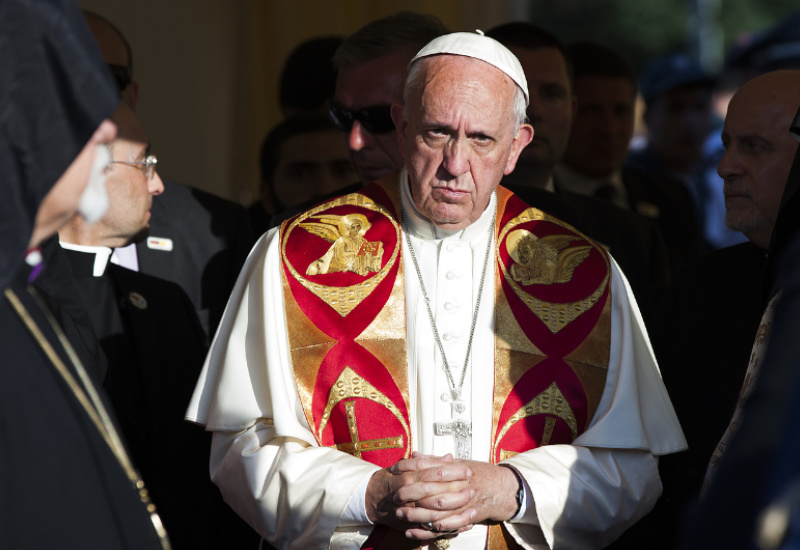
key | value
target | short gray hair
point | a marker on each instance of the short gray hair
(414, 83)
(403, 30)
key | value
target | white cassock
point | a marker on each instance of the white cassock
(297, 495)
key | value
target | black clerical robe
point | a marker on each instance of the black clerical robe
(155, 348)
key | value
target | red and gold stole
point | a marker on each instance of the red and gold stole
(345, 309)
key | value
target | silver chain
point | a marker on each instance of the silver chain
(456, 390)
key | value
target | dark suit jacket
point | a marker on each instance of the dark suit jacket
(636, 245)
(670, 205)
(210, 241)
(155, 348)
(707, 331)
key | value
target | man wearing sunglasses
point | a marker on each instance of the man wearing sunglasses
(372, 66)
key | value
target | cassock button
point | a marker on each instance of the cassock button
(449, 306)
(450, 276)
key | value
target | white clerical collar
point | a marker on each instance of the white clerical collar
(426, 229)
(101, 255)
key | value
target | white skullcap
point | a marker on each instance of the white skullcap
(480, 47)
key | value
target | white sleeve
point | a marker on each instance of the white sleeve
(264, 458)
(288, 491)
(584, 498)
(586, 494)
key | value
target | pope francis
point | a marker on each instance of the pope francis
(432, 362)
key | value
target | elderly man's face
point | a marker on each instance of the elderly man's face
(459, 138)
(375, 83)
(130, 191)
(759, 151)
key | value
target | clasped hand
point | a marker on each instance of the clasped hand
(427, 495)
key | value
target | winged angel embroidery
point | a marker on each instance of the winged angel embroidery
(350, 251)
(544, 260)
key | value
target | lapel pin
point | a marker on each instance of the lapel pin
(137, 300)
(159, 243)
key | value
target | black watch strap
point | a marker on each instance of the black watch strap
(520, 491)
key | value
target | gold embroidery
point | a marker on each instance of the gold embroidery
(356, 446)
(350, 251)
(543, 261)
(505, 455)
(550, 402)
(364, 259)
(350, 385)
(554, 316)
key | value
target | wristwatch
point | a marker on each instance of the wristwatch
(520, 491)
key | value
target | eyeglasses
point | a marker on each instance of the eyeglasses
(377, 120)
(148, 165)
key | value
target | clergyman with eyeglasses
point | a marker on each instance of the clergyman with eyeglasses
(150, 334)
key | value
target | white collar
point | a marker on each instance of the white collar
(424, 228)
(101, 255)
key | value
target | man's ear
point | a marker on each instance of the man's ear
(520, 141)
(400, 124)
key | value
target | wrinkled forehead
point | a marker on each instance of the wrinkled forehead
(452, 81)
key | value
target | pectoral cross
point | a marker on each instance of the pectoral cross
(461, 430)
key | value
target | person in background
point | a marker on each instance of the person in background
(371, 65)
(197, 239)
(594, 158)
(677, 93)
(308, 77)
(67, 478)
(303, 159)
(634, 242)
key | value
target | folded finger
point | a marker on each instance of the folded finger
(446, 501)
(420, 490)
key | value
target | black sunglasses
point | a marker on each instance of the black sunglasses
(377, 120)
